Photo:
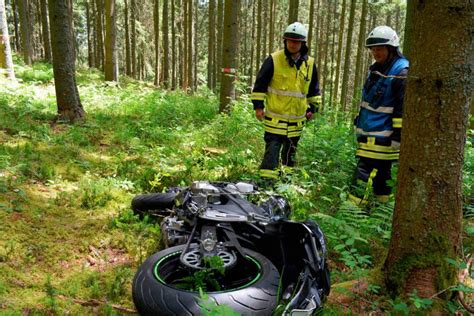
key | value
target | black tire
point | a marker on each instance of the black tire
(153, 201)
(154, 297)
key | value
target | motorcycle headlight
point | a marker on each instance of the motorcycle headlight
(209, 244)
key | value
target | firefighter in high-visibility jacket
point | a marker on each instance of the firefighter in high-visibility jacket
(378, 125)
(285, 95)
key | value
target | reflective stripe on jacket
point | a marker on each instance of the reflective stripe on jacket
(375, 123)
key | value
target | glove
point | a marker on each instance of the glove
(395, 144)
(259, 114)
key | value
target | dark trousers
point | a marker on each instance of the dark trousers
(365, 167)
(276, 146)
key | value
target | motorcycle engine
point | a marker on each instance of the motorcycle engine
(172, 231)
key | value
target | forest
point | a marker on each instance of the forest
(103, 100)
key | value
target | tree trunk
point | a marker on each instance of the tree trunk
(189, 59)
(427, 218)
(166, 48)
(173, 47)
(259, 36)
(229, 56)
(99, 34)
(326, 50)
(293, 11)
(220, 31)
(15, 22)
(252, 46)
(67, 96)
(210, 44)
(26, 36)
(6, 61)
(311, 23)
(271, 33)
(111, 67)
(45, 27)
(347, 58)
(360, 51)
(333, 56)
(128, 62)
(339, 53)
(195, 44)
(90, 51)
(133, 38)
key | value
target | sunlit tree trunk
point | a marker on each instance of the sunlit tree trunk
(156, 27)
(333, 55)
(427, 222)
(67, 96)
(111, 66)
(6, 61)
(258, 53)
(229, 56)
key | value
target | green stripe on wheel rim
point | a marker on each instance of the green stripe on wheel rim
(257, 277)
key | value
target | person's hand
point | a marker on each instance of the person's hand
(309, 116)
(259, 114)
(395, 144)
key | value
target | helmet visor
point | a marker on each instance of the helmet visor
(294, 37)
(374, 41)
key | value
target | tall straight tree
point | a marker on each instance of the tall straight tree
(428, 210)
(90, 50)
(111, 66)
(173, 46)
(271, 31)
(133, 37)
(156, 27)
(229, 56)
(311, 22)
(189, 58)
(45, 28)
(259, 36)
(360, 50)
(220, 32)
(347, 58)
(339, 51)
(15, 22)
(99, 34)
(26, 31)
(166, 46)
(210, 44)
(67, 96)
(6, 61)
(128, 62)
(293, 11)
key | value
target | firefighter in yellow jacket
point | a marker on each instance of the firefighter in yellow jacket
(285, 95)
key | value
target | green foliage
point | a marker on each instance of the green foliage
(205, 279)
(210, 308)
(64, 188)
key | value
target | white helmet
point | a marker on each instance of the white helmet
(382, 35)
(296, 32)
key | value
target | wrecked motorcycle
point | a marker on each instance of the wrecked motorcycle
(269, 262)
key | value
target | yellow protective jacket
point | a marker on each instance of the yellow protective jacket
(286, 90)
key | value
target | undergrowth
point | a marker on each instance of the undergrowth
(65, 190)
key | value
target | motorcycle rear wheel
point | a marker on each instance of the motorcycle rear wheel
(250, 291)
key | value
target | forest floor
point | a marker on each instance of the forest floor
(70, 242)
